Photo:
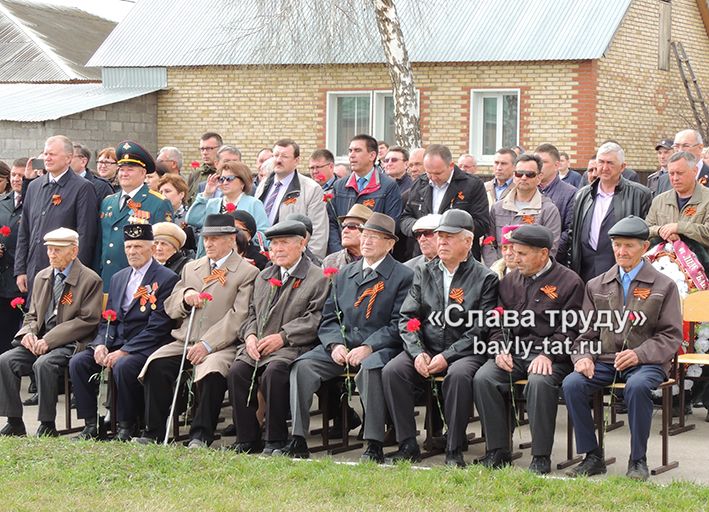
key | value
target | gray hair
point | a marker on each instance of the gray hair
(228, 149)
(697, 135)
(68, 145)
(612, 147)
(173, 153)
(686, 155)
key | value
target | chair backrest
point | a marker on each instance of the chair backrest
(696, 307)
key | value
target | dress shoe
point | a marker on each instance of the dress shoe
(32, 400)
(592, 465)
(125, 431)
(496, 459)
(454, 458)
(353, 421)
(373, 453)
(14, 429)
(272, 446)
(32, 388)
(148, 437)
(229, 430)
(408, 451)
(541, 464)
(247, 447)
(296, 448)
(637, 469)
(47, 430)
(390, 435)
(196, 443)
(87, 434)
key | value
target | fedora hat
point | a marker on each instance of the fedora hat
(382, 224)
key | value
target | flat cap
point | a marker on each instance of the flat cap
(218, 224)
(455, 221)
(170, 233)
(358, 211)
(304, 219)
(381, 223)
(286, 228)
(533, 235)
(664, 143)
(132, 153)
(137, 232)
(62, 237)
(427, 222)
(630, 227)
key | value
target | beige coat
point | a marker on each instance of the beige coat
(295, 314)
(490, 191)
(218, 322)
(77, 321)
(693, 220)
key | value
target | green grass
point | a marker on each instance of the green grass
(57, 474)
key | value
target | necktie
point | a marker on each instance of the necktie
(124, 201)
(50, 317)
(366, 272)
(58, 288)
(361, 183)
(18, 200)
(272, 198)
(626, 286)
(212, 266)
(286, 275)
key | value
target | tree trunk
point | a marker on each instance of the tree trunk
(406, 118)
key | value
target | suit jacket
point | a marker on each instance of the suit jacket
(657, 340)
(563, 196)
(295, 313)
(113, 257)
(303, 196)
(10, 217)
(573, 178)
(692, 221)
(219, 322)
(77, 320)
(135, 330)
(381, 330)
(71, 203)
(101, 186)
(465, 192)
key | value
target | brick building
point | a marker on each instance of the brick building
(489, 73)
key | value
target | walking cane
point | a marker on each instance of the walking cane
(179, 375)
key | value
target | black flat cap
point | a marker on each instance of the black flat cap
(304, 219)
(137, 232)
(533, 235)
(455, 221)
(218, 224)
(246, 218)
(630, 227)
(286, 228)
(132, 153)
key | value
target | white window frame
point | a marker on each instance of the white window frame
(376, 114)
(476, 120)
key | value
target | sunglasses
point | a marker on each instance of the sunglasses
(351, 226)
(392, 160)
(426, 234)
(528, 174)
(227, 179)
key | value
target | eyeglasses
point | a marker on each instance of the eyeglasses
(350, 226)
(228, 179)
(683, 146)
(316, 167)
(367, 236)
(393, 160)
(106, 162)
(528, 174)
(207, 148)
(427, 234)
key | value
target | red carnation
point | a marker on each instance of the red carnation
(328, 197)
(488, 240)
(5, 231)
(195, 164)
(230, 207)
(632, 316)
(109, 315)
(499, 310)
(413, 325)
(318, 176)
(17, 302)
(275, 282)
(206, 296)
(330, 271)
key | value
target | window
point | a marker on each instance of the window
(494, 122)
(353, 112)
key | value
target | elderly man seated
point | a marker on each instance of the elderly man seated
(638, 354)
(64, 313)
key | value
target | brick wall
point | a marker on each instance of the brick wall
(97, 128)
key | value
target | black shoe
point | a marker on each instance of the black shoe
(125, 431)
(87, 434)
(390, 435)
(47, 430)
(496, 459)
(408, 451)
(296, 448)
(15, 430)
(454, 458)
(148, 437)
(353, 421)
(229, 430)
(272, 446)
(373, 453)
(621, 408)
(592, 465)
(637, 469)
(247, 447)
(541, 464)
(32, 388)
(33, 400)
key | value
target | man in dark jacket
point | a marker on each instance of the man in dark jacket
(80, 165)
(442, 188)
(10, 213)
(541, 286)
(454, 283)
(598, 207)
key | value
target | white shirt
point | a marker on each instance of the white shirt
(136, 278)
(603, 202)
(447, 279)
(130, 194)
(219, 262)
(287, 270)
(373, 266)
(52, 179)
(438, 193)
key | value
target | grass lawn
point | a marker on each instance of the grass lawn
(57, 474)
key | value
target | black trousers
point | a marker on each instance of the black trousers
(159, 385)
(273, 380)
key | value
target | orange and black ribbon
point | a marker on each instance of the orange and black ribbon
(372, 294)
(216, 275)
(456, 294)
(550, 291)
(642, 293)
(66, 299)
